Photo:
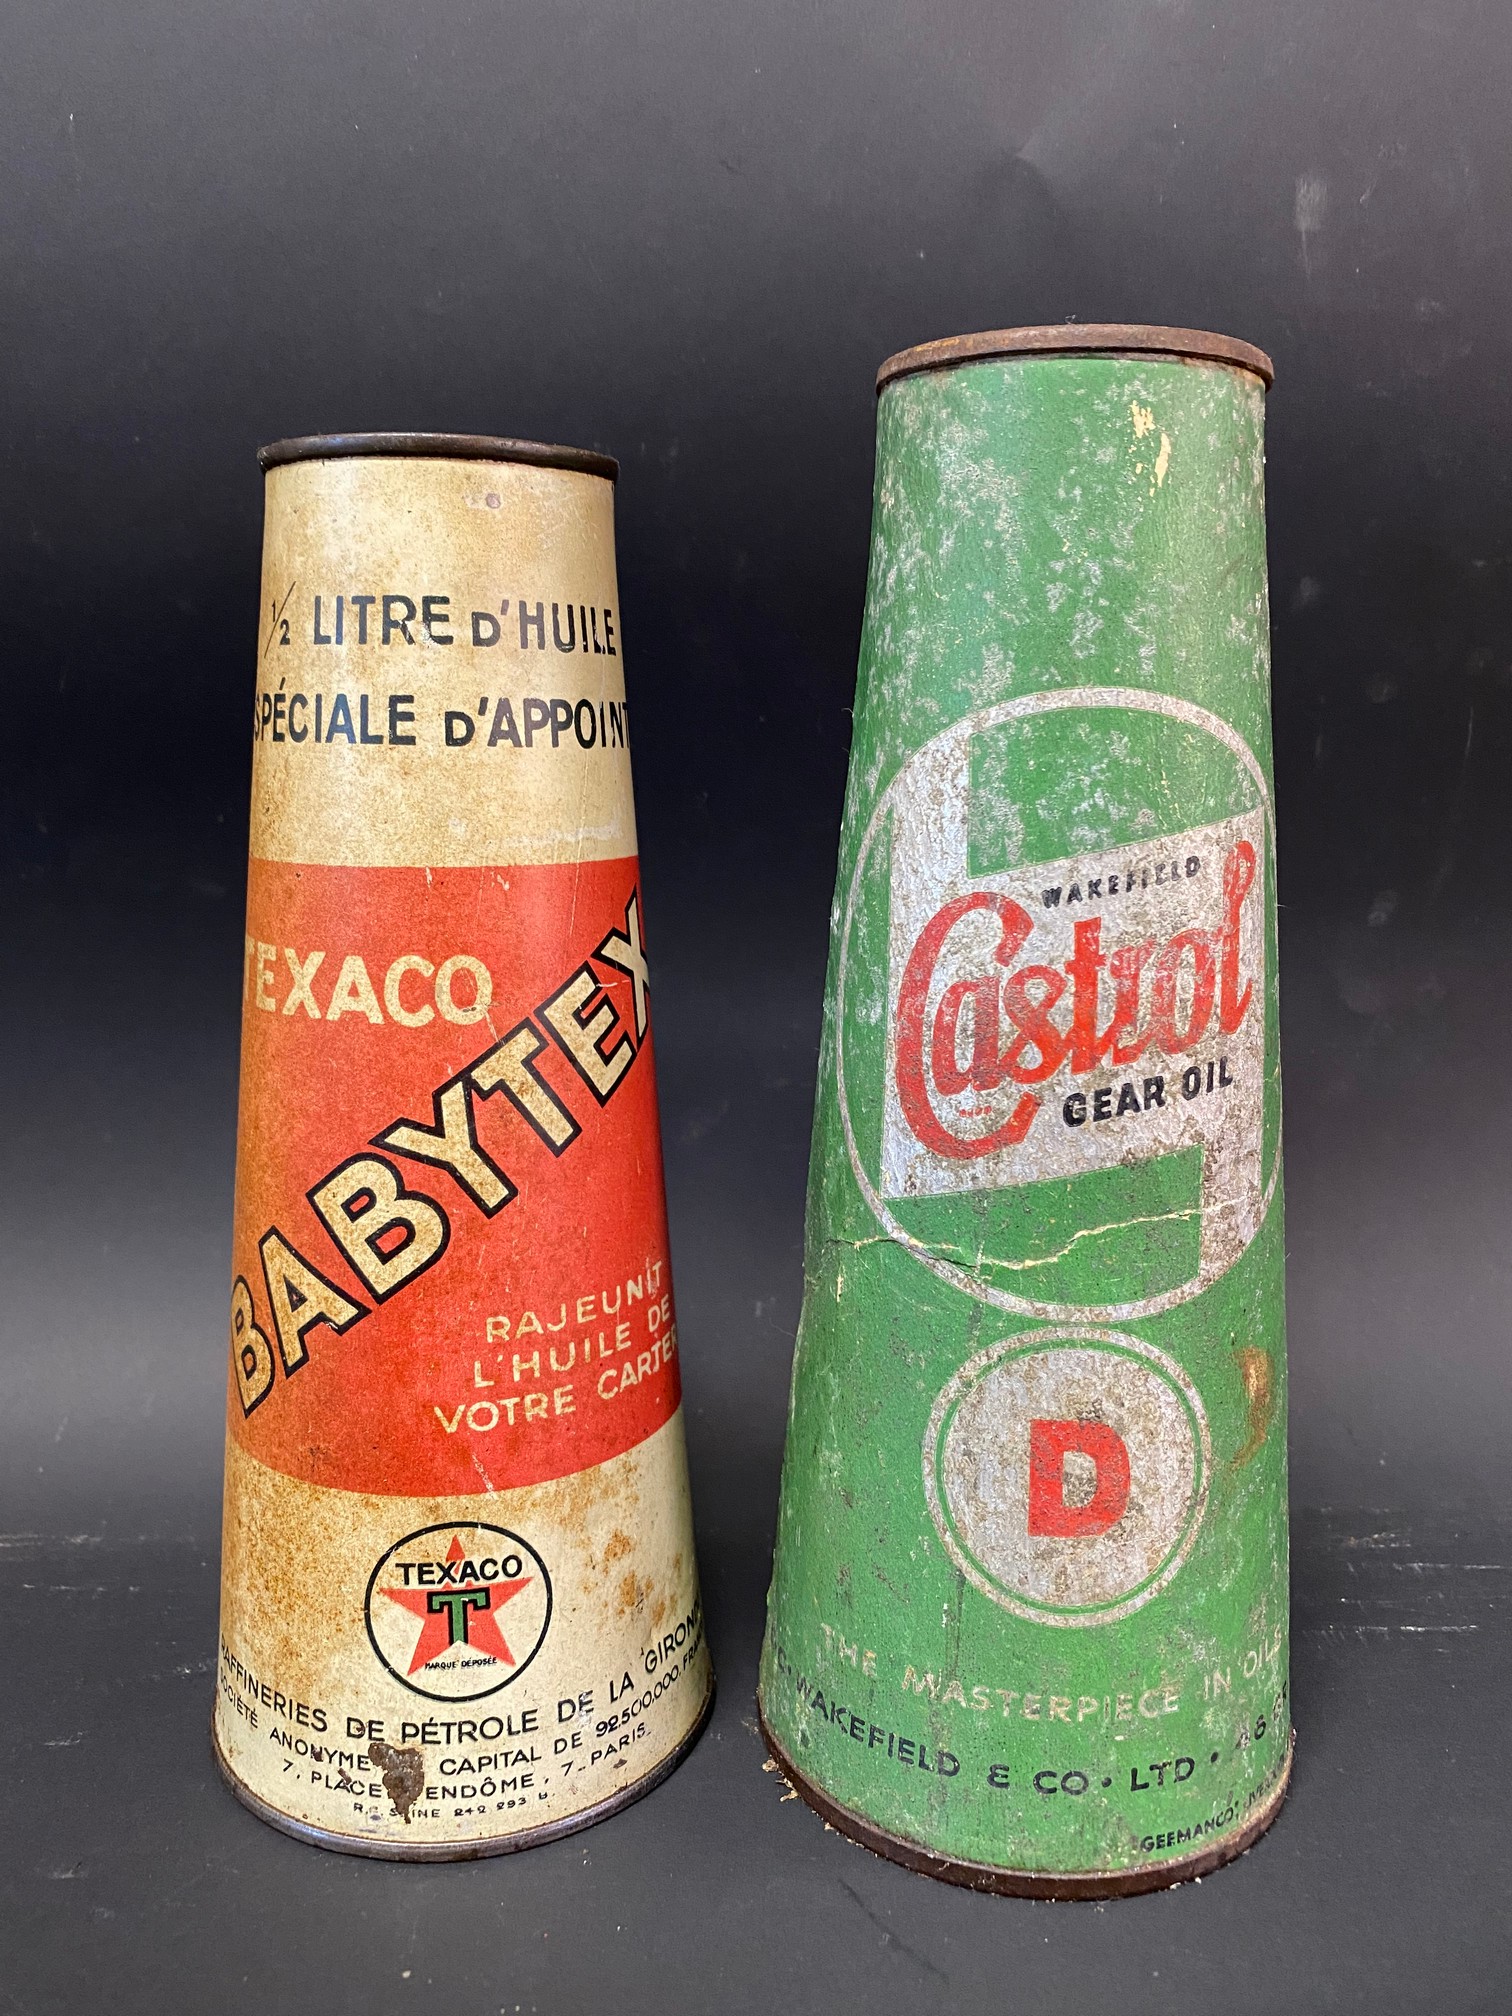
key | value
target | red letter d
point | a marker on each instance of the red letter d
(1049, 1444)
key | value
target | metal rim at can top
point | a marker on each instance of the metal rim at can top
(439, 447)
(1078, 339)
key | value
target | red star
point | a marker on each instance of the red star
(479, 1631)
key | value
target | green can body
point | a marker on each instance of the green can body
(1028, 1621)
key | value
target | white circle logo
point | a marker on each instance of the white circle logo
(1067, 1472)
(457, 1612)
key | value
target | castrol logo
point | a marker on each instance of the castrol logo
(1015, 1011)
(993, 1028)
(1099, 1011)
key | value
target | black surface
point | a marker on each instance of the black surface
(689, 235)
(140, 1884)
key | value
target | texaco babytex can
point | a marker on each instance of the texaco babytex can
(1028, 1623)
(460, 1607)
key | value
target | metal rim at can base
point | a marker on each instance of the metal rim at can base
(438, 447)
(1086, 1886)
(1079, 339)
(464, 1851)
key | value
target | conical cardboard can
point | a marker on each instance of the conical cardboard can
(1028, 1621)
(460, 1608)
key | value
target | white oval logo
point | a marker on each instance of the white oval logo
(1090, 1015)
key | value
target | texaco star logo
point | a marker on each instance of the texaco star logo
(457, 1612)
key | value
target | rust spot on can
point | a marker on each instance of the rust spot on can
(1259, 1390)
(403, 1775)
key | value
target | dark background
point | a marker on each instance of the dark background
(688, 234)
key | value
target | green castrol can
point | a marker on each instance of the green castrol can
(1027, 1628)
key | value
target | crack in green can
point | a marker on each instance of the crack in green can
(1028, 1620)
